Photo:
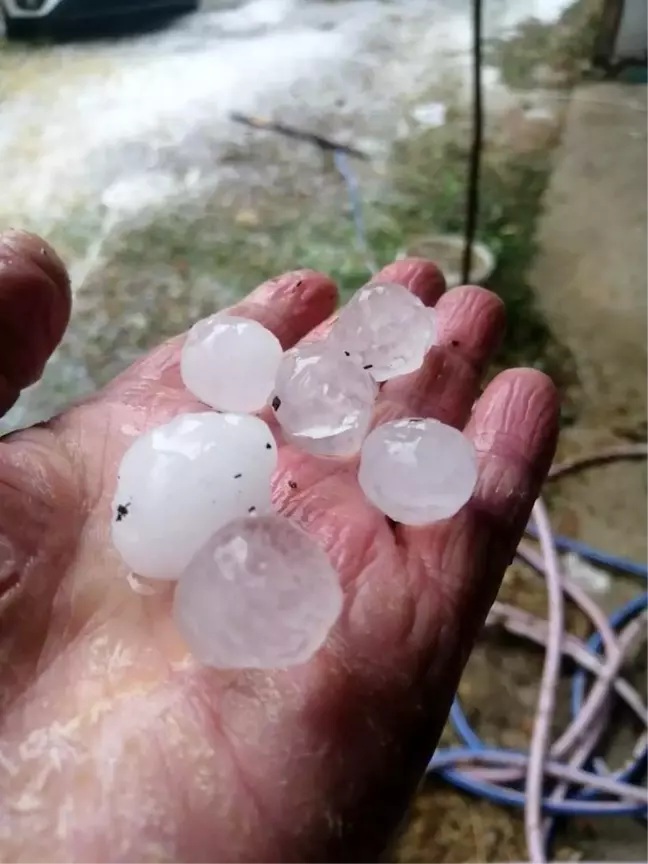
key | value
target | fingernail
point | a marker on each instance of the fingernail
(38, 252)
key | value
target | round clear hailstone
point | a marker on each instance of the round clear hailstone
(417, 471)
(260, 594)
(386, 329)
(323, 400)
(230, 363)
(180, 482)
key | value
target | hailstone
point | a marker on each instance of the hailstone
(387, 329)
(180, 482)
(230, 363)
(259, 594)
(323, 400)
(417, 471)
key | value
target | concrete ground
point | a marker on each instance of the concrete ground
(590, 279)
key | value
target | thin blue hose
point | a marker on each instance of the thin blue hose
(584, 802)
(343, 165)
(595, 643)
(579, 683)
(463, 728)
(614, 562)
(513, 798)
(580, 804)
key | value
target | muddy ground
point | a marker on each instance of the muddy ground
(123, 153)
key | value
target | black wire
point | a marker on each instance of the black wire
(474, 166)
(299, 134)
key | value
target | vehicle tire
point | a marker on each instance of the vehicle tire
(17, 29)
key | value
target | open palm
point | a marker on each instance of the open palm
(114, 744)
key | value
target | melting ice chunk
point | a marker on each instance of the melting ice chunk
(323, 400)
(417, 471)
(180, 482)
(387, 329)
(230, 363)
(260, 594)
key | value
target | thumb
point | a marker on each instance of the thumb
(35, 305)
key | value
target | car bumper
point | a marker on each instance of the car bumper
(91, 10)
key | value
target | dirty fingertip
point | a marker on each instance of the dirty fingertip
(291, 305)
(422, 277)
(296, 286)
(32, 248)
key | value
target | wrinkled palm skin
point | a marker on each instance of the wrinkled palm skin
(114, 744)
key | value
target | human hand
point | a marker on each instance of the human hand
(114, 744)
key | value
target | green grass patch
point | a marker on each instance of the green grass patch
(565, 48)
(429, 189)
(424, 194)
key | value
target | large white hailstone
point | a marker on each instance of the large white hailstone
(323, 400)
(387, 329)
(417, 471)
(260, 594)
(230, 363)
(180, 482)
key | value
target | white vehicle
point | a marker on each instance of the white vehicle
(27, 18)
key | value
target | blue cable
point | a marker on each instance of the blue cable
(343, 165)
(584, 802)
(580, 804)
(595, 643)
(614, 562)
(579, 683)
(513, 798)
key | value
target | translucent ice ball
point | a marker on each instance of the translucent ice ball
(230, 363)
(417, 471)
(260, 594)
(386, 329)
(180, 482)
(323, 400)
